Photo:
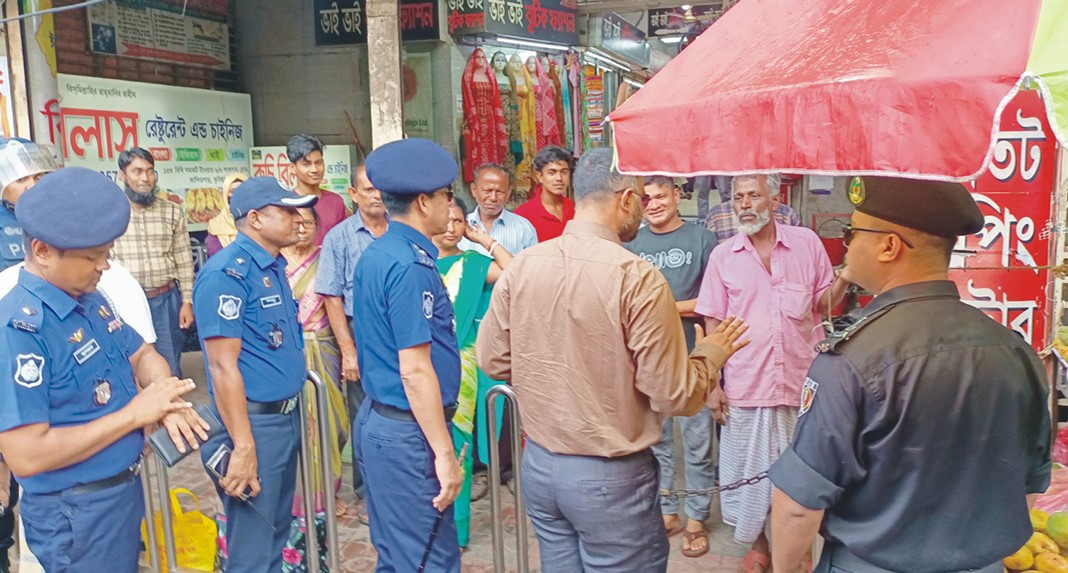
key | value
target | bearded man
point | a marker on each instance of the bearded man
(155, 248)
(778, 279)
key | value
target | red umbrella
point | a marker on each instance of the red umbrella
(847, 87)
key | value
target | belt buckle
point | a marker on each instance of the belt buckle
(290, 405)
(137, 467)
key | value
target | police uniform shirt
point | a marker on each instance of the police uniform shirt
(11, 249)
(242, 292)
(66, 363)
(920, 433)
(402, 304)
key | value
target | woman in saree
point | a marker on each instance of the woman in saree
(469, 279)
(221, 228)
(323, 357)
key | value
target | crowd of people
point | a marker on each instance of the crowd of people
(611, 317)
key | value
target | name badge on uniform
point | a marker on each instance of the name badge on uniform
(86, 351)
(275, 338)
(269, 301)
(102, 392)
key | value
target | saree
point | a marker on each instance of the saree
(527, 125)
(324, 358)
(545, 109)
(485, 136)
(465, 280)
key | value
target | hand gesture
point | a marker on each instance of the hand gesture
(477, 235)
(725, 336)
(717, 404)
(451, 476)
(185, 426)
(350, 366)
(241, 474)
(159, 399)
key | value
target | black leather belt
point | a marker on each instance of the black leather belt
(122, 477)
(278, 407)
(844, 558)
(394, 413)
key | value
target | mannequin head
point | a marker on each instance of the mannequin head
(544, 59)
(479, 58)
(500, 62)
(532, 65)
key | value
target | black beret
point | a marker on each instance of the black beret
(937, 208)
(410, 167)
(74, 208)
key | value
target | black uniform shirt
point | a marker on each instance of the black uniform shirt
(921, 432)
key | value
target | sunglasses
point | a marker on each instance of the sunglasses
(645, 198)
(849, 231)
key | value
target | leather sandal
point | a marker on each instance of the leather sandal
(754, 559)
(692, 536)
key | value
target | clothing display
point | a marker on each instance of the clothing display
(485, 138)
(548, 130)
(528, 132)
(510, 105)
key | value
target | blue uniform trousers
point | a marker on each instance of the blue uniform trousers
(169, 337)
(595, 514)
(398, 472)
(97, 531)
(253, 546)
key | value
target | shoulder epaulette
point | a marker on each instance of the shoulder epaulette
(830, 344)
(28, 318)
(238, 267)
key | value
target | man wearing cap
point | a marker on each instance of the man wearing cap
(72, 417)
(924, 431)
(254, 357)
(409, 364)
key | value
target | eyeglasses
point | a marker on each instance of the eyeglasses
(448, 193)
(849, 231)
(644, 198)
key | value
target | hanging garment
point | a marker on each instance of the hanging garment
(545, 119)
(484, 133)
(527, 123)
(558, 101)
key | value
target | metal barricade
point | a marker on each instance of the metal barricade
(153, 465)
(505, 392)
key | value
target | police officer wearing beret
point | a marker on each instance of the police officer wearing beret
(254, 354)
(924, 431)
(409, 364)
(71, 413)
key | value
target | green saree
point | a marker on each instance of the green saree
(465, 279)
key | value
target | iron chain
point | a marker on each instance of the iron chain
(681, 493)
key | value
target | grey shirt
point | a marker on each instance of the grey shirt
(921, 432)
(681, 256)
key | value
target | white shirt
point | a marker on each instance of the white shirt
(118, 287)
(512, 231)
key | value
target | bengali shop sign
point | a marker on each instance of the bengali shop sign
(344, 22)
(272, 161)
(542, 20)
(1016, 198)
(197, 137)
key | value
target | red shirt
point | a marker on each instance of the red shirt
(547, 225)
(332, 210)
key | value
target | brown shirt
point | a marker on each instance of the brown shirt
(156, 247)
(589, 337)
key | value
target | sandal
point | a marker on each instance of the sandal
(677, 529)
(361, 512)
(755, 559)
(479, 485)
(692, 536)
(340, 508)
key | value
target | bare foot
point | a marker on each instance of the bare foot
(672, 524)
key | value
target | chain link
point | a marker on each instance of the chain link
(681, 493)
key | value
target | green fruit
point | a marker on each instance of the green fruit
(1057, 528)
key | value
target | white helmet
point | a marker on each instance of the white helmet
(20, 158)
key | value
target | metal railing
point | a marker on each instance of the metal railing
(505, 392)
(326, 471)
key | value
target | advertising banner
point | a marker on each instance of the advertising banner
(542, 20)
(272, 161)
(190, 33)
(418, 95)
(197, 137)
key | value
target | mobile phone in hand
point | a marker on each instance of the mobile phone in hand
(219, 463)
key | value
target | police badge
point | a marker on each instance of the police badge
(428, 304)
(275, 337)
(229, 306)
(808, 394)
(102, 393)
(29, 369)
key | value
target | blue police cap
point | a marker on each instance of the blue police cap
(74, 208)
(259, 192)
(411, 167)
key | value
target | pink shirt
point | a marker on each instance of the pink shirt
(780, 308)
(332, 210)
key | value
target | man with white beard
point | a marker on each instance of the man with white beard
(778, 279)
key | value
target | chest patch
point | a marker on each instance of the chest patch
(808, 394)
(269, 301)
(86, 351)
(28, 373)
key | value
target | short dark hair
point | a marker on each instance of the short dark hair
(551, 153)
(301, 146)
(352, 176)
(460, 203)
(398, 204)
(661, 180)
(127, 157)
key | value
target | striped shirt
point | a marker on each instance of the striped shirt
(156, 248)
(512, 231)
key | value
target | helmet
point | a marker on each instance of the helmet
(20, 158)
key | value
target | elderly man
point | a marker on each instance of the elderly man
(492, 188)
(342, 248)
(409, 364)
(777, 277)
(155, 248)
(593, 411)
(921, 412)
(680, 251)
(550, 208)
(721, 220)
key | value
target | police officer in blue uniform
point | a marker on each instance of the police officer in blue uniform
(924, 430)
(409, 364)
(254, 353)
(71, 413)
(22, 163)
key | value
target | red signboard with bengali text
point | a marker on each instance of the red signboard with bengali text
(998, 273)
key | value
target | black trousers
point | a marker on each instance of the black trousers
(7, 521)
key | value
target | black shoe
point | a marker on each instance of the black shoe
(5, 563)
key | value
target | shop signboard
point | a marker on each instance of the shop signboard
(197, 137)
(193, 33)
(272, 161)
(418, 95)
(541, 20)
(344, 22)
(679, 22)
(624, 39)
(1006, 277)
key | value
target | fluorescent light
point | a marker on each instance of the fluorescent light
(671, 40)
(531, 44)
(685, 7)
(598, 55)
(634, 83)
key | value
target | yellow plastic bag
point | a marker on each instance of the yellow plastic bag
(194, 535)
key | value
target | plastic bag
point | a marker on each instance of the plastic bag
(194, 535)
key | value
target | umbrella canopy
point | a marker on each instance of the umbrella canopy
(847, 87)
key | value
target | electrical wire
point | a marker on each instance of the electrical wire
(56, 10)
